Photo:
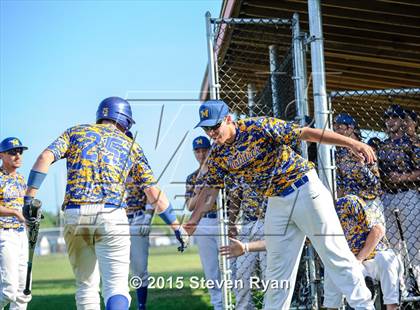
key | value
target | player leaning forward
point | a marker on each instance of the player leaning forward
(99, 158)
(258, 149)
(13, 239)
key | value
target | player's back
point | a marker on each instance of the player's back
(99, 157)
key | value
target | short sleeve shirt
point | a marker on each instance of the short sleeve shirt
(12, 191)
(135, 198)
(261, 155)
(99, 159)
(357, 221)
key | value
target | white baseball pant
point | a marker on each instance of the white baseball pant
(13, 266)
(207, 238)
(247, 264)
(139, 252)
(309, 211)
(384, 267)
(98, 246)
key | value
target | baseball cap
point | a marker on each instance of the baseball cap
(11, 143)
(346, 119)
(395, 110)
(201, 142)
(212, 112)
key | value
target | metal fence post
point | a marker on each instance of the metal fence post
(221, 202)
(275, 84)
(251, 99)
(319, 90)
(299, 78)
(213, 85)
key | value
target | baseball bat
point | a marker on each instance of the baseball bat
(409, 268)
(33, 229)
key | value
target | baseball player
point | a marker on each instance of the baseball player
(99, 158)
(355, 177)
(252, 209)
(140, 215)
(13, 239)
(207, 235)
(258, 150)
(399, 163)
(364, 231)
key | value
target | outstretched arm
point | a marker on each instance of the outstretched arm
(202, 203)
(237, 248)
(39, 171)
(363, 151)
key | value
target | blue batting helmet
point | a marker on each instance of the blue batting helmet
(201, 142)
(10, 144)
(116, 109)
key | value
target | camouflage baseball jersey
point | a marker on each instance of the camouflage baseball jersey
(261, 155)
(192, 183)
(12, 190)
(98, 162)
(135, 198)
(356, 178)
(401, 156)
(252, 204)
(357, 220)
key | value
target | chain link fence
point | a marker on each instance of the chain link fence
(386, 120)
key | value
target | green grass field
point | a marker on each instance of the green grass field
(53, 282)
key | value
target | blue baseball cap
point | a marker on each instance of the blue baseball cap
(201, 142)
(346, 119)
(395, 110)
(212, 112)
(10, 144)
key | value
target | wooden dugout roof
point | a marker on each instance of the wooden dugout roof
(371, 44)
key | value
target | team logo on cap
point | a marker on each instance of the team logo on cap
(105, 111)
(15, 142)
(199, 141)
(204, 113)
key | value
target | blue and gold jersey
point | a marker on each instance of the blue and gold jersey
(400, 156)
(252, 204)
(135, 198)
(192, 183)
(356, 178)
(99, 159)
(261, 155)
(357, 221)
(12, 190)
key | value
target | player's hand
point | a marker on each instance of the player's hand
(183, 238)
(363, 152)
(234, 249)
(20, 216)
(190, 227)
(32, 210)
(145, 225)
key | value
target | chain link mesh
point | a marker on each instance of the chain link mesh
(386, 120)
